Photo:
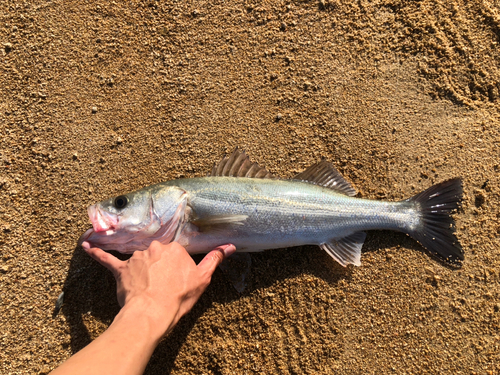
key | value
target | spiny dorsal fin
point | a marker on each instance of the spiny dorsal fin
(239, 165)
(346, 250)
(324, 174)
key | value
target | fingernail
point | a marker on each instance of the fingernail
(228, 250)
(85, 245)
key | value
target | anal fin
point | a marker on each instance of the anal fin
(346, 250)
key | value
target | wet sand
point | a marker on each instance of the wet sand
(101, 98)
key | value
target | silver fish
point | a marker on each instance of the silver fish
(243, 204)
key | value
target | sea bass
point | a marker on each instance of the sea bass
(242, 203)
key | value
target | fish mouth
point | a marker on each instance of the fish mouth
(102, 221)
(86, 237)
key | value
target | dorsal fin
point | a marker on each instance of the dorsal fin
(239, 165)
(324, 174)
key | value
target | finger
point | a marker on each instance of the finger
(109, 261)
(155, 247)
(215, 257)
(155, 250)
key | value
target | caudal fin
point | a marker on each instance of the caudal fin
(437, 232)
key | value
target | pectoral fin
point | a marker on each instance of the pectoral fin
(346, 250)
(219, 222)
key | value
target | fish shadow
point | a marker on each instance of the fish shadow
(90, 303)
(267, 268)
(381, 239)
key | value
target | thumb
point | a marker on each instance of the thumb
(109, 261)
(214, 258)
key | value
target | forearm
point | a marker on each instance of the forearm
(125, 347)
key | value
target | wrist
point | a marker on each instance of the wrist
(144, 311)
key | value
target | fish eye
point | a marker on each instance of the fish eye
(120, 201)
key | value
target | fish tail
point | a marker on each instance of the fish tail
(436, 231)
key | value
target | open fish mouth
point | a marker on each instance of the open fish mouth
(99, 239)
(102, 223)
(89, 232)
(101, 220)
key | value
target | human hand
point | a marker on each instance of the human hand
(163, 277)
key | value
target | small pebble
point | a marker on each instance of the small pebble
(75, 156)
(5, 269)
(94, 109)
(59, 302)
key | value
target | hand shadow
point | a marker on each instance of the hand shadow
(90, 291)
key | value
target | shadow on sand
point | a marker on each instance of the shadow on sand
(90, 289)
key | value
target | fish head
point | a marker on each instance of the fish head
(128, 212)
(130, 222)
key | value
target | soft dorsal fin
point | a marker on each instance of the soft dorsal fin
(324, 174)
(239, 165)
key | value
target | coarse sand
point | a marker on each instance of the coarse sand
(100, 97)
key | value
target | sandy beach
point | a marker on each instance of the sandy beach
(100, 98)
